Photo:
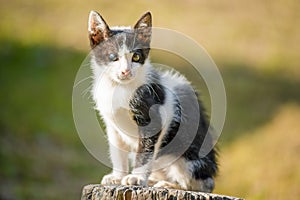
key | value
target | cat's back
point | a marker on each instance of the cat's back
(172, 79)
(177, 84)
(182, 99)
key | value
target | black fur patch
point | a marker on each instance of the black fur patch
(143, 99)
(143, 53)
(146, 149)
(203, 167)
(145, 109)
(172, 131)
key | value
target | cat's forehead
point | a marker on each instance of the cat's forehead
(122, 38)
(121, 42)
(119, 39)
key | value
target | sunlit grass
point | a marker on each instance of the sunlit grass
(265, 163)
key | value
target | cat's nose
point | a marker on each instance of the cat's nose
(125, 72)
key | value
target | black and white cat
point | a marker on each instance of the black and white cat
(147, 112)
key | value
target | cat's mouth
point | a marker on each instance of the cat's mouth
(125, 78)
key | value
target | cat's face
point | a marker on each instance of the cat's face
(122, 51)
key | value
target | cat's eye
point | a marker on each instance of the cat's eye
(113, 57)
(136, 57)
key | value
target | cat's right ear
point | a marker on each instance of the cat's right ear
(97, 28)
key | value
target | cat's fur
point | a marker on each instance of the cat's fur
(142, 109)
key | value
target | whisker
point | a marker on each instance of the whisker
(79, 82)
(86, 91)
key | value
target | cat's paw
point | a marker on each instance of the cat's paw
(111, 179)
(132, 179)
(166, 184)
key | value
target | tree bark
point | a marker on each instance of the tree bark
(119, 192)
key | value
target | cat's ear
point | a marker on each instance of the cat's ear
(98, 29)
(143, 29)
(144, 22)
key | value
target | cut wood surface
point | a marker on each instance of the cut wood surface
(120, 192)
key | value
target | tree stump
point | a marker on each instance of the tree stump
(120, 192)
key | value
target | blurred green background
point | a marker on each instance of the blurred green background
(255, 44)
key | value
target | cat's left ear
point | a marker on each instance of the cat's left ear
(143, 28)
(98, 29)
(144, 22)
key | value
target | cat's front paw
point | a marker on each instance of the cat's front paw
(132, 179)
(167, 184)
(111, 179)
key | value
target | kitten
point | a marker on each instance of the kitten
(148, 112)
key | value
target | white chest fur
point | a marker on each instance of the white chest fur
(112, 100)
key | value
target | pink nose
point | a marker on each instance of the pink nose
(125, 72)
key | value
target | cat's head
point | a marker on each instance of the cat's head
(122, 51)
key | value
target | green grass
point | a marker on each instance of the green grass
(41, 154)
(255, 45)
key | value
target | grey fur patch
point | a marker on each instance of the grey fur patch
(183, 128)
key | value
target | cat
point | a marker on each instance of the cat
(143, 111)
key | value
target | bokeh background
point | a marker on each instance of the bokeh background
(255, 44)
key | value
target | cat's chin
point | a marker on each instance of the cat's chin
(124, 81)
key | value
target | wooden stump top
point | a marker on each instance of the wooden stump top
(120, 192)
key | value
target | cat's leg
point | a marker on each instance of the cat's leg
(195, 175)
(205, 185)
(143, 163)
(169, 172)
(148, 138)
(202, 174)
(144, 106)
(168, 184)
(119, 157)
(158, 178)
(182, 174)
